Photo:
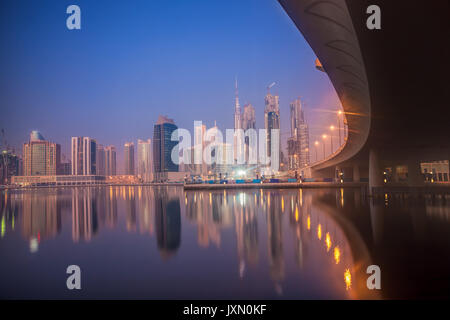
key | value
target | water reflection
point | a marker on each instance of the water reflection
(258, 243)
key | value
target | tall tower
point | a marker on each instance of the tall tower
(298, 143)
(271, 120)
(84, 154)
(129, 158)
(144, 158)
(237, 109)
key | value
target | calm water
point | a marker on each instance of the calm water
(148, 242)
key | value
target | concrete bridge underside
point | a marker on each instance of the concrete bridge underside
(393, 83)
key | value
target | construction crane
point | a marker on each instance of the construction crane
(270, 86)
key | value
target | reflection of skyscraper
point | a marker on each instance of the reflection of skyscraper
(84, 214)
(41, 218)
(40, 157)
(163, 145)
(298, 143)
(130, 204)
(146, 210)
(84, 154)
(275, 238)
(129, 158)
(246, 231)
(110, 161)
(144, 160)
(167, 222)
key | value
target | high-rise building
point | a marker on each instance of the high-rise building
(237, 109)
(101, 158)
(84, 156)
(9, 166)
(271, 120)
(298, 143)
(110, 161)
(129, 158)
(163, 145)
(40, 157)
(248, 122)
(201, 167)
(248, 117)
(144, 160)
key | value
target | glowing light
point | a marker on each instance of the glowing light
(296, 213)
(337, 255)
(328, 241)
(319, 231)
(308, 223)
(282, 203)
(316, 143)
(3, 228)
(347, 279)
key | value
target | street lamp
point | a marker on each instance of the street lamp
(324, 136)
(339, 122)
(316, 143)
(331, 137)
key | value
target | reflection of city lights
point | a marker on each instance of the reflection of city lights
(337, 255)
(308, 223)
(348, 279)
(282, 203)
(296, 213)
(328, 241)
(3, 228)
(319, 232)
(210, 198)
(34, 245)
(242, 198)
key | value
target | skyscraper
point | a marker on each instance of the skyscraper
(237, 109)
(101, 160)
(162, 146)
(298, 143)
(271, 120)
(248, 122)
(201, 167)
(129, 158)
(84, 156)
(110, 161)
(144, 160)
(40, 157)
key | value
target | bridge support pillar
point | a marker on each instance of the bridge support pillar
(356, 174)
(375, 171)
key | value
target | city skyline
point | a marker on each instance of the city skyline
(190, 92)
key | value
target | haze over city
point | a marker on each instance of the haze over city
(128, 64)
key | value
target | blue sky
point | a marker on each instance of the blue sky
(134, 60)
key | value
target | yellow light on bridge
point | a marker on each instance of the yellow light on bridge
(347, 279)
(337, 255)
(328, 241)
(319, 231)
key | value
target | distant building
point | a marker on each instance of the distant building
(110, 161)
(145, 160)
(84, 154)
(101, 159)
(9, 166)
(162, 147)
(129, 158)
(248, 122)
(40, 157)
(298, 143)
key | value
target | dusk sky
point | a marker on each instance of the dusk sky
(134, 60)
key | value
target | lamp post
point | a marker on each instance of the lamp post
(324, 136)
(331, 137)
(316, 143)
(339, 123)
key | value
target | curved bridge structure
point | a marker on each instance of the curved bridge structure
(393, 83)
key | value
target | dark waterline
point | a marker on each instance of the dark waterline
(163, 242)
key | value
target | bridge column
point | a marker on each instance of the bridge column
(356, 174)
(375, 171)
